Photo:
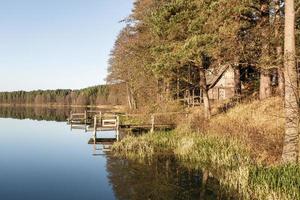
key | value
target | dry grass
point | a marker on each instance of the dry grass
(259, 125)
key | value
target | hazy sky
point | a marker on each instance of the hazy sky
(48, 44)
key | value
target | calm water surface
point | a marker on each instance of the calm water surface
(45, 160)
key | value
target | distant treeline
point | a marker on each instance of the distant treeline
(97, 95)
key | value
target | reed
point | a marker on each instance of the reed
(282, 182)
(227, 160)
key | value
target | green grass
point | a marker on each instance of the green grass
(282, 180)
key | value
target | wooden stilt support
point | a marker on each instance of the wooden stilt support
(95, 128)
(85, 120)
(117, 127)
(100, 114)
(71, 119)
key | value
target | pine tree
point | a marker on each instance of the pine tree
(292, 115)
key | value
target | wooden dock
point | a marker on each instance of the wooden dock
(97, 121)
(94, 121)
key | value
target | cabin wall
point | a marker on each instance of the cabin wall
(224, 89)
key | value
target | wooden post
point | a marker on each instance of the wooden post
(152, 123)
(100, 118)
(85, 117)
(200, 91)
(85, 120)
(118, 121)
(95, 127)
(117, 127)
(71, 119)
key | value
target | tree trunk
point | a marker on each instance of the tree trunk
(168, 90)
(128, 96)
(160, 90)
(131, 98)
(265, 75)
(134, 104)
(279, 48)
(203, 87)
(291, 140)
(237, 81)
(178, 84)
(281, 81)
(265, 84)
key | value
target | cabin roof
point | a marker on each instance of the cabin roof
(213, 79)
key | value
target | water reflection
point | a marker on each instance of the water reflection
(35, 113)
(164, 178)
(41, 160)
(50, 169)
(58, 114)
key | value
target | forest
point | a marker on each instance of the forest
(96, 95)
(234, 66)
(174, 50)
(171, 47)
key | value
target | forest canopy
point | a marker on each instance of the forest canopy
(170, 49)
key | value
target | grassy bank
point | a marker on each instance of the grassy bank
(240, 147)
(226, 159)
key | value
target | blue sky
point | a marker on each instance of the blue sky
(49, 44)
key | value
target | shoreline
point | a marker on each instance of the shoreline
(225, 159)
(240, 148)
(120, 107)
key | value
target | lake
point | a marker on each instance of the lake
(45, 160)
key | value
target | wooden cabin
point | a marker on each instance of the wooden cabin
(221, 83)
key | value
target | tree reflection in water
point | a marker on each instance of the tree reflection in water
(163, 178)
(36, 113)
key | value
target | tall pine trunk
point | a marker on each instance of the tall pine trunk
(280, 70)
(131, 98)
(265, 75)
(279, 48)
(128, 96)
(291, 140)
(204, 89)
